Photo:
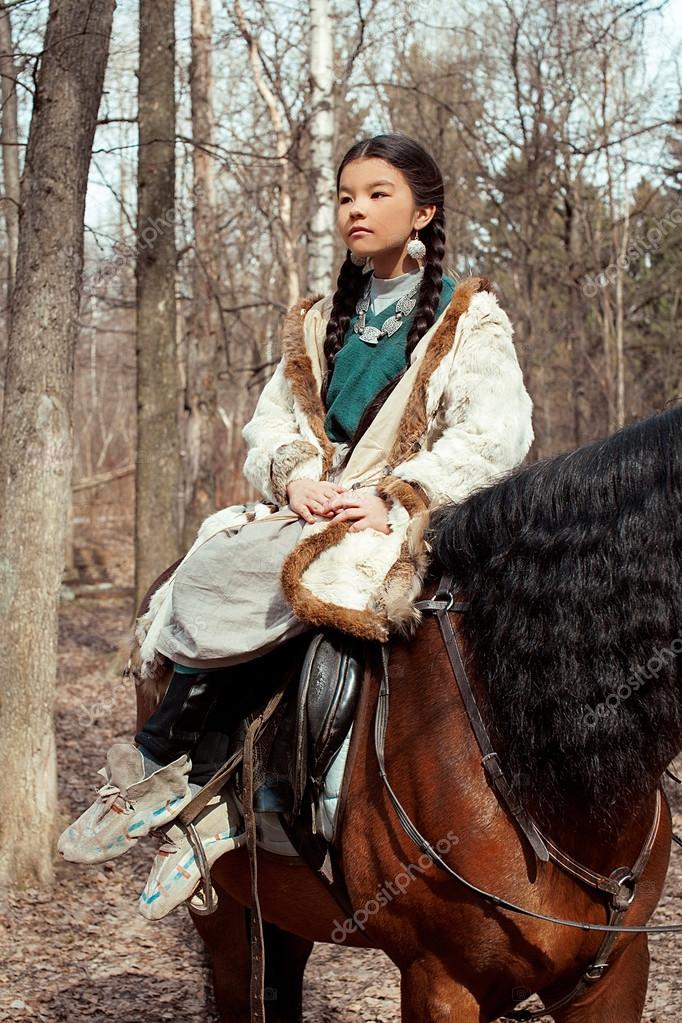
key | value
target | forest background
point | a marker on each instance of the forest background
(209, 210)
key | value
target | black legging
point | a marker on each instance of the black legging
(199, 713)
(180, 718)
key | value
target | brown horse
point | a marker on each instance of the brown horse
(572, 567)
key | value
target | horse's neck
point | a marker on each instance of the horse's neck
(429, 724)
(618, 844)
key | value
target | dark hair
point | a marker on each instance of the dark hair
(573, 569)
(426, 182)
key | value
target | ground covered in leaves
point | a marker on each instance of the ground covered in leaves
(82, 954)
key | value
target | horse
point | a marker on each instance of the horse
(569, 574)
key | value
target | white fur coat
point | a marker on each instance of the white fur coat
(459, 418)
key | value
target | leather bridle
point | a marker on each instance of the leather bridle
(620, 886)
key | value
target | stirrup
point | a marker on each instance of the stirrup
(205, 892)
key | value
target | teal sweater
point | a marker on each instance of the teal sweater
(362, 370)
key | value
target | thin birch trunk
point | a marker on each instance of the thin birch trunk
(293, 283)
(620, 324)
(9, 138)
(204, 323)
(576, 306)
(321, 231)
(607, 343)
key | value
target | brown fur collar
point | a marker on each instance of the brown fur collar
(299, 372)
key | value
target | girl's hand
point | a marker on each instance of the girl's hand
(308, 498)
(365, 509)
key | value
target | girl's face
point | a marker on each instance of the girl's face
(376, 209)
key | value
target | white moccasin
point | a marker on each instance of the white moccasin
(175, 873)
(127, 807)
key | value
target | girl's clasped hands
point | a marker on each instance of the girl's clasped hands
(313, 499)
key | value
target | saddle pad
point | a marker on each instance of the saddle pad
(270, 833)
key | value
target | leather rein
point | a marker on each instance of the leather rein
(620, 886)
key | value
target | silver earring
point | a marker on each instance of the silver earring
(416, 248)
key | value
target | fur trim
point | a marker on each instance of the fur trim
(285, 459)
(152, 687)
(390, 605)
(307, 606)
(393, 488)
(299, 373)
(152, 678)
(413, 424)
(404, 581)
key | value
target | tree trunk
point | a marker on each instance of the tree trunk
(204, 324)
(9, 138)
(282, 144)
(321, 237)
(36, 431)
(158, 479)
(620, 323)
(576, 323)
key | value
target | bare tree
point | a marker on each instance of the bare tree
(158, 489)
(566, 114)
(321, 230)
(204, 318)
(282, 143)
(614, 115)
(35, 437)
(9, 138)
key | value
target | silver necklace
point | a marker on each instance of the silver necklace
(404, 307)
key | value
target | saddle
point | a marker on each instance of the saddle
(280, 752)
(301, 740)
(316, 717)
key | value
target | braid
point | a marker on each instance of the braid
(349, 286)
(432, 282)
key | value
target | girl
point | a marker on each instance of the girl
(398, 392)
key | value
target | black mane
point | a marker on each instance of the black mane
(573, 566)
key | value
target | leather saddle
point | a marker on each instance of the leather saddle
(311, 724)
(301, 741)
